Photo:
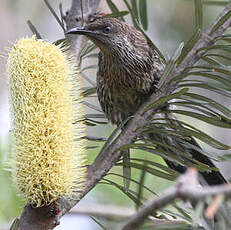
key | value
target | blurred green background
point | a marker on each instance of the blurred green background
(170, 22)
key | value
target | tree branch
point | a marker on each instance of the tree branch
(116, 213)
(105, 211)
(185, 188)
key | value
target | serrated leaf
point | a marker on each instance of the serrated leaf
(228, 39)
(175, 214)
(89, 123)
(184, 141)
(183, 125)
(91, 106)
(225, 157)
(163, 154)
(143, 13)
(225, 81)
(169, 226)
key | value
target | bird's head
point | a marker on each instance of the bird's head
(112, 35)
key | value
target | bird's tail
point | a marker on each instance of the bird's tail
(190, 148)
(212, 176)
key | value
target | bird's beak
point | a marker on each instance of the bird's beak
(79, 30)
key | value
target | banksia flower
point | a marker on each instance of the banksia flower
(47, 121)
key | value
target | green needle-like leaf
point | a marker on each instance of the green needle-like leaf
(143, 13)
(189, 45)
(221, 21)
(198, 14)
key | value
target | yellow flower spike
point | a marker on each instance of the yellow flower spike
(47, 121)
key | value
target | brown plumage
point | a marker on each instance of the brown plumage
(128, 73)
(128, 68)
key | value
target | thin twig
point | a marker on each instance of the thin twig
(185, 188)
(115, 212)
(106, 211)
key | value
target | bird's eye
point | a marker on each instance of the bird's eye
(107, 29)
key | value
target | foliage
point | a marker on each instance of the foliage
(210, 76)
(197, 97)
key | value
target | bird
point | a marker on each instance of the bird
(128, 73)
